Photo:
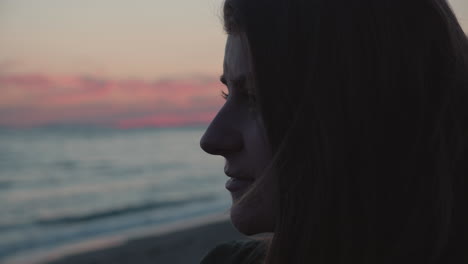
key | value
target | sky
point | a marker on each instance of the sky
(144, 39)
(117, 63)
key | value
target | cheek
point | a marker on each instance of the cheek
(259, 141)
(257, 148)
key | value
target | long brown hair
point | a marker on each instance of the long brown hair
(365, 105)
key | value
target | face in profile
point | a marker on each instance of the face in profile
(237, 134)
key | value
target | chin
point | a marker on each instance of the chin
(249, 223)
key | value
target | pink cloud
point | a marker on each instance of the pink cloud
(31, 81)
(166, 120)
(35, 99)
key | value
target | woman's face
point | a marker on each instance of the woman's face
(237, 134)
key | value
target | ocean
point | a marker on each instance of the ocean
(65, 185)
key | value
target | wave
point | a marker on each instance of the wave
(5, 184)
(121, 211)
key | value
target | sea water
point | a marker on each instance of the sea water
(63, 185)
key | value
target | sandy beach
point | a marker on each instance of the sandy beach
(183, 242)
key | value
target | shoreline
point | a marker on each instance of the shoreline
(193, 238)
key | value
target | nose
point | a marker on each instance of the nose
(221, 139)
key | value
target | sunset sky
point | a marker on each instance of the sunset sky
(117, 63)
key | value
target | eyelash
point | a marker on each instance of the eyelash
(252, 99)
(224, 95)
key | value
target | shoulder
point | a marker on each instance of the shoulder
(234, 251)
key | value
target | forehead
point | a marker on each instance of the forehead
(236, 58)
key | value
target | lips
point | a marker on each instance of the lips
(236, 185)
(238, 176)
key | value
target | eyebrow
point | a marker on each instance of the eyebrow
(222, 79)
(238, 82)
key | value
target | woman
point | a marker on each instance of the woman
(345, 130)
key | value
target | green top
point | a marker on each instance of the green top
(232, 252)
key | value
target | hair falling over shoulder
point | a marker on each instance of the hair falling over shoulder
(365, 104)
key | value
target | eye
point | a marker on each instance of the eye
(249, 97)
(224, 95)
